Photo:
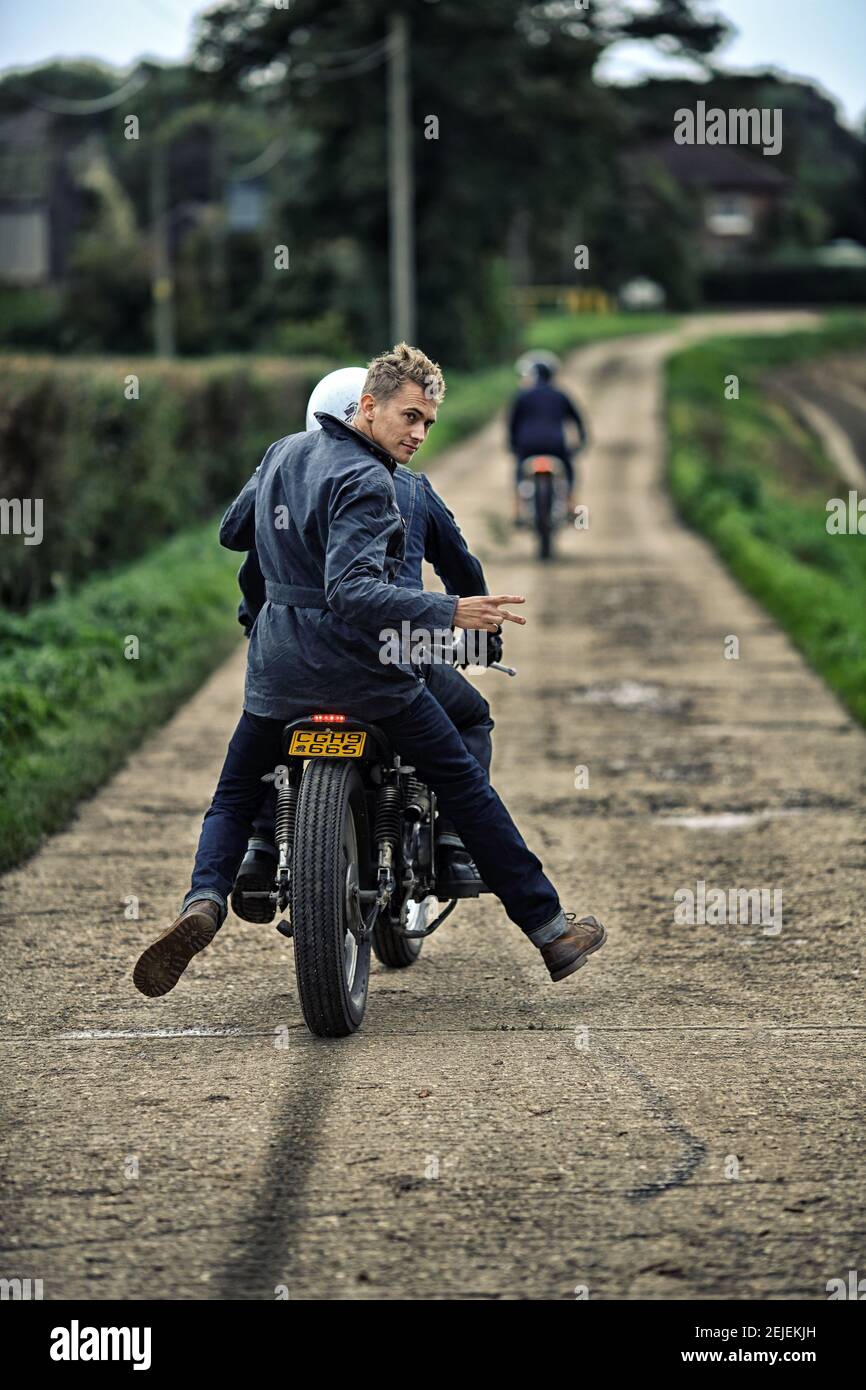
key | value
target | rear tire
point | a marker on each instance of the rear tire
(331, 857)
(393, 950)
(544, 514)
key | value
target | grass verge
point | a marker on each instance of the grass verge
(72, 706)
(565, 332)
(749, 477)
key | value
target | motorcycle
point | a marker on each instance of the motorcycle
(542, 494)
(356, 868)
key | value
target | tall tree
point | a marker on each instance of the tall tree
(507, 118)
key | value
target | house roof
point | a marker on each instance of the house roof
(711, 166)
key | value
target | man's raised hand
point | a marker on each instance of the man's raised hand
(485, 612)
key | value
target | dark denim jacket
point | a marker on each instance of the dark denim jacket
(432, 534)
(321, 515)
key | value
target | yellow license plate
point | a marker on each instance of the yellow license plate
(327, 743)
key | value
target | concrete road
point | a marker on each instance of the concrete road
(682, 1119)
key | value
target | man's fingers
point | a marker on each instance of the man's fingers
(484, 613)
(501, 614)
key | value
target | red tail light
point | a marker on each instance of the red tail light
(328, 718)
(541, 465)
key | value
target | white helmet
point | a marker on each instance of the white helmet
(337, 394)
(537, 357)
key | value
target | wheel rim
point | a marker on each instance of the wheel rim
(353, 915)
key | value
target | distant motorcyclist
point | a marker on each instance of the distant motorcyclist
(538, 420)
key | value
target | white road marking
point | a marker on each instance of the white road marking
(89, 1034)
(730, 820)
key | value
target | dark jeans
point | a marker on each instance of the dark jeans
(468, 711)
(424, 736)
(465, 706)
(564, 455)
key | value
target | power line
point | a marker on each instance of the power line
(158, 7)
(337, 55)
(378, 55)
(269, 157)
(64, 106)
(370, 57)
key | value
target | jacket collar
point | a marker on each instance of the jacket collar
(338, 429)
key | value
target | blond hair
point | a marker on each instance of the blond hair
(388, 372)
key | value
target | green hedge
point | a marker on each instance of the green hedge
(116, 475)
(729, 473)
(31, 319)
(785, 284)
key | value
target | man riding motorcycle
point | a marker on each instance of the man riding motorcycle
(538, 419)
(432, 534)
(329, 538)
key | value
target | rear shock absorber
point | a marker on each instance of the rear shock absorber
(389, 813)
(287, 815)
(389, 809)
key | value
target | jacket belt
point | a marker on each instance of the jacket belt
(293, 596)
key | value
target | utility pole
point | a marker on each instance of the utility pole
(218, 267)
(162, 282)
(162, 287)
(400, 183)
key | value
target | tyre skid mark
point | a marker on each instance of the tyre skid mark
(693, 1150)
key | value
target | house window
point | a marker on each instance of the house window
(730, 214)
(24, 247)
(245, 206)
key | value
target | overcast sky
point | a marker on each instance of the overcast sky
(820, 39)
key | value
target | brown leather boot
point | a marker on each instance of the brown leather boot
(159, 968)
(568, 953)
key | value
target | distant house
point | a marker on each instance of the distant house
(245, 204)
(736, 193)
(25, 198)
(44, 200)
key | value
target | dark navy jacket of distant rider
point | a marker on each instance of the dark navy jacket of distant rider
(537, 421)
(339, 565)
